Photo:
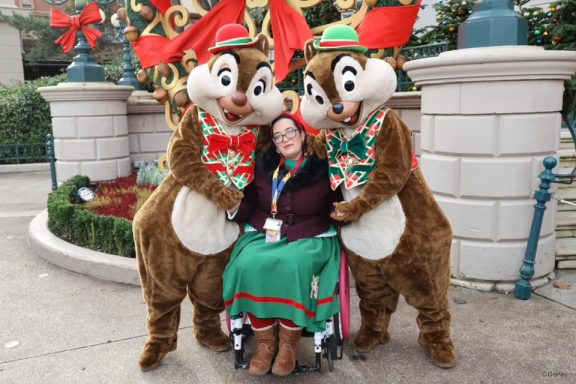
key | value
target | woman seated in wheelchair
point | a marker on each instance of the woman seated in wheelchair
(284, 268)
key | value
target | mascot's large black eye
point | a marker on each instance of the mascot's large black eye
(319, 99)
(349, 79)
(309, 89)
(224, 76)
(259, 88)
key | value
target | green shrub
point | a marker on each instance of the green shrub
(25, 117)
(71, 222)
(150, 174)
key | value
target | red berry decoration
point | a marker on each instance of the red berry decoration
(557, 39)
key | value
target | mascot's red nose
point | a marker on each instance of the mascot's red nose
(239, 98)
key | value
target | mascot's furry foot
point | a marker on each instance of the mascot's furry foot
(213, 338)
(154, 352)
(442, 351)
(367, 339)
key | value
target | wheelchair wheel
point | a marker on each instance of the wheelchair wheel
(344, 295)
(330, 359)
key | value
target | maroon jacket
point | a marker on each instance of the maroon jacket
(304, 205)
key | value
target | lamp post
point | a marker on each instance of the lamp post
(493, 23)
(128, 76)
(84, 68)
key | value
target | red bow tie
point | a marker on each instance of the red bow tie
(244, 143)
(90, 15)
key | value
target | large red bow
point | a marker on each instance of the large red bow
(244, 143)
(89, 15)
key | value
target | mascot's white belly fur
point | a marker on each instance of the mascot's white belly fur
(200, 225)
(377, 233)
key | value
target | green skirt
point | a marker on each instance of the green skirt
(285, 280)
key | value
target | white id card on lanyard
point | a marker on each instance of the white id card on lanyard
(272, 227)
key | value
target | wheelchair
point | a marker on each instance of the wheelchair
(328, 343)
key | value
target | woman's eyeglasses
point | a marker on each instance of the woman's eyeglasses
(290, 133)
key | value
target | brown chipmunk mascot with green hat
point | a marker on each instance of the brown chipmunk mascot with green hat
(398, 240)
(183, 240)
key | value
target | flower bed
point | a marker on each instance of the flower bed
(104, 224)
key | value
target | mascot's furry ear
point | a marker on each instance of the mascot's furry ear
(309, 50)
(262, 44)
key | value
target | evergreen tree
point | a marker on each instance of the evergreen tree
(555, 28)
(449, 15)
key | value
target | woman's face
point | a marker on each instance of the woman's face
(288, 139)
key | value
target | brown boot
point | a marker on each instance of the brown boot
(439, 345)
(154, 351)
(287, 351)
(267, 339)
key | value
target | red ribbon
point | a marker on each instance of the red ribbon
(244, 143)
(89, 15)
(290, 31)
(388, 27)
(154, 49)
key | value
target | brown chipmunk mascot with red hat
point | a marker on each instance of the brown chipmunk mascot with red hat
(183, 240)
(398, 240)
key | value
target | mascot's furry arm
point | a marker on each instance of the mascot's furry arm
(316, 144)
(184, 151)
(394, 163)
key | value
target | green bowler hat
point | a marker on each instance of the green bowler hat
(339, 38)
(232, 36)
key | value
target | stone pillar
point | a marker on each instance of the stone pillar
(90, 129)
(489, 117)
(407, 106)
(11, 66)
(148, 130)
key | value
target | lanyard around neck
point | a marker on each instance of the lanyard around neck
(277, 187)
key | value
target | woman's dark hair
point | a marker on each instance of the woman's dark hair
(297, 123)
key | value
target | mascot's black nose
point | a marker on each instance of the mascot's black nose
(239, 98)
(338, 108)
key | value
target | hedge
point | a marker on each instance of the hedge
(25, 116)
(68, 220)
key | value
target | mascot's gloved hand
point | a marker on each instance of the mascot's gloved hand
(316, 145)
(348, 211)
(228, 198)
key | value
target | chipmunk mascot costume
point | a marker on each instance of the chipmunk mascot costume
(183, 240)
(398, 240)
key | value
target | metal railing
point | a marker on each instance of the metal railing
(23, 153)
(31, 153)
(523, 287)
(413, 53)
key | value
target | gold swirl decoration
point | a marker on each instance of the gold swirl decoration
(136, 7)
(199, 8)
(256, 3)
(346, 4)
(189, 60)
(176, 16)
(293, 99)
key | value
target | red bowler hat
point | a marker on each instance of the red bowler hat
(231, 36)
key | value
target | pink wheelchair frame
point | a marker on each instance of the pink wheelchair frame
(328, 343)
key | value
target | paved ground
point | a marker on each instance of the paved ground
(60, 327)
